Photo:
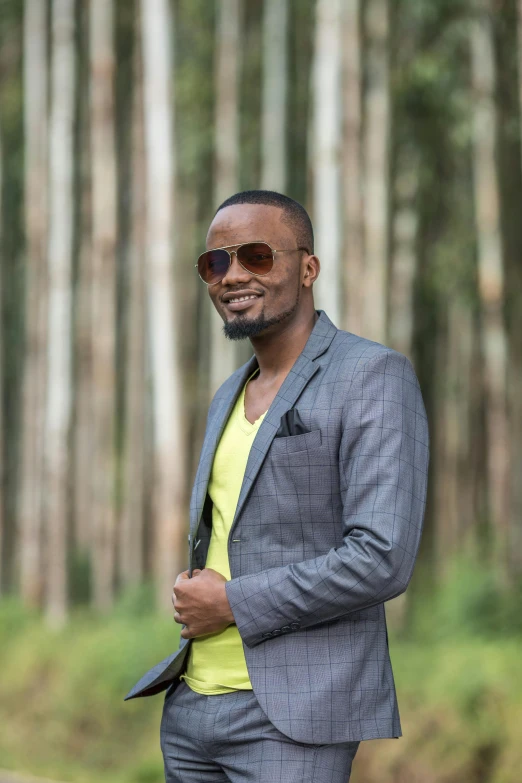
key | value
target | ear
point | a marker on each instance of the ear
(311, 270)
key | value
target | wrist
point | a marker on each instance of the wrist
(229, 615)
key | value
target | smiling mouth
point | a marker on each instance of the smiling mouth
(243, 298)
(241, 302)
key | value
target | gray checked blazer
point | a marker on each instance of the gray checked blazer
(326, 530)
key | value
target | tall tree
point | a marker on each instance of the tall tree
(404, 250)
(103, 293)
(376, 165)
(326, 154)
(519, 52)
(490, 274)
(83, 436)
(169, 433)
(30, 520)
(58, 413)
(223, 352)
(131, 556)
(1, 372)
(508, 28)
(353, 268)
(453, 371)
(274, 96)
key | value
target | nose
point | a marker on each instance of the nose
(235, 272)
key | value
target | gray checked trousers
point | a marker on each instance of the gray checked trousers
(227, 738)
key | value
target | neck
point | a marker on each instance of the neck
(277, 352)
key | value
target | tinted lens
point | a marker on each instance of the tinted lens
(213, 265)
(256, 257)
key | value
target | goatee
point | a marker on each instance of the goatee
(242, 326)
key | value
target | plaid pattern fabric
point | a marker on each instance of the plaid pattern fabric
(227, 738)
(327, 528)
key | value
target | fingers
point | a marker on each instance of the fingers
(184, 575)
(180, 578)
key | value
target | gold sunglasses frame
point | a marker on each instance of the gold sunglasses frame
(251, 242)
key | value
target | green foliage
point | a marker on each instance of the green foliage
(79, 576)
(64, 691)
(461, 705)
(15, 619)
(135, 602)
(432, 112)
(194, 90)
(474, 603)
(470, 603)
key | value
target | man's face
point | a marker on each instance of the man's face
(277, 294)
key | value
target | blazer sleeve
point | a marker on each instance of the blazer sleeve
(383, 464)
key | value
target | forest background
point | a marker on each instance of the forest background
(123, 125)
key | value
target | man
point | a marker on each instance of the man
(306, 516)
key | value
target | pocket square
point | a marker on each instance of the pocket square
(291, 424)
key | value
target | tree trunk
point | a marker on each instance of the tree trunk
(519, 26)
(353, 267)
(509, 106)
(404, 256)
(224, 352)
(491, 280)
(327, 154)
(169, 426)
(453, 440)
(376, 154)
(103, 293)
(132, 519)
(58, 414)
(462, 329)
(2, 429)
(402, 275)
(33, 404)
(83, 441)
(274, 99)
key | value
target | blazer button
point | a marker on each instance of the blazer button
(276, 632)
(295, 626)
(267, 635)
(285, 628)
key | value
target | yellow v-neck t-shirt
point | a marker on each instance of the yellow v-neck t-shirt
(216, 661)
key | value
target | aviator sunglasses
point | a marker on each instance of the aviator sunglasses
(255, 257)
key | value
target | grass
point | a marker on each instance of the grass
(63, 716)
(61, 695)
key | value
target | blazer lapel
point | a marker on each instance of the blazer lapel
(210, 443)
(302, 371)
(300, 374)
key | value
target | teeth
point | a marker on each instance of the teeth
(243, 298)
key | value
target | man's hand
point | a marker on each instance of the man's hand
(201, 602)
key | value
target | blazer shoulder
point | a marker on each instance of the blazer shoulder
(354, 354)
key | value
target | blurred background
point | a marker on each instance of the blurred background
(123, 125)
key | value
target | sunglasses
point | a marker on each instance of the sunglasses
(255, 257)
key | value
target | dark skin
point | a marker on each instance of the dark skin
(200, 602)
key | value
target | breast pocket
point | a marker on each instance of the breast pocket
(283, 447)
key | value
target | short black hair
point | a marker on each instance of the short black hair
(294, 214)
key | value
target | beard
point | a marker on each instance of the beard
(242, 326)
